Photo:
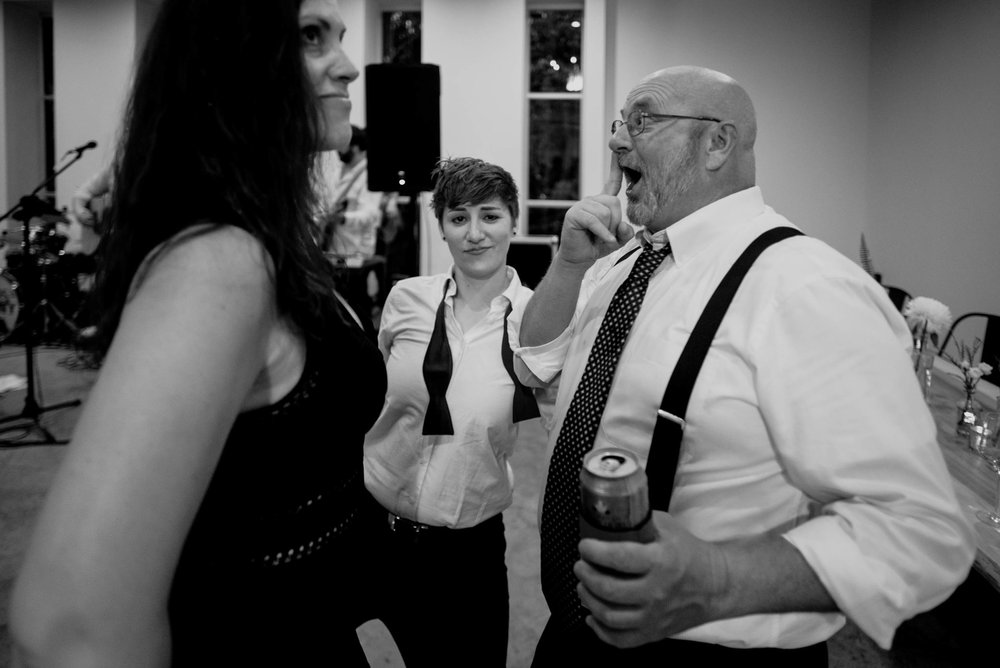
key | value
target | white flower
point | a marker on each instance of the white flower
(970, 374)
(921, 312)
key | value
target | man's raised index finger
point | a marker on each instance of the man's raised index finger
(614, 182)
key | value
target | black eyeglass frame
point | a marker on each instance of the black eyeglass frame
(643, 115)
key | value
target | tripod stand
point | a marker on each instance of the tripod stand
(52, 323)
(36, 304)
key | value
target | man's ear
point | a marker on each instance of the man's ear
(721, 142)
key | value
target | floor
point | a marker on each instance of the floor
(952, 635)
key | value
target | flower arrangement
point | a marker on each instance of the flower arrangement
(971, 373)
(928, 319)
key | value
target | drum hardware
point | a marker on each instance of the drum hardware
(50, 316)
(62, 299)
(30, 207)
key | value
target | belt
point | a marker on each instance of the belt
(402, 525)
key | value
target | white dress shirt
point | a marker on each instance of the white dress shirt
(805, 420)
(357, 233)
(455, 481)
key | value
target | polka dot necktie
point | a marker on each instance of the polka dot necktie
(560, 529)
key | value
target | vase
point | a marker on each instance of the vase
(923, 363)
(967, 412)
(920, 346)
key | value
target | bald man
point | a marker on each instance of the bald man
(809, 485)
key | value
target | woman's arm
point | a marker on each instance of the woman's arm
(94, 586)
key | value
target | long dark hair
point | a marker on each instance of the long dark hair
(221, 126)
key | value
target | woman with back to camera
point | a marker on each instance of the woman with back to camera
(437, 459)
(198, 518)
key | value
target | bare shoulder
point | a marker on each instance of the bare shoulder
(220, 272)
(209, 285)
(216, 254)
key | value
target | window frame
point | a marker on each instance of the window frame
(531, 96)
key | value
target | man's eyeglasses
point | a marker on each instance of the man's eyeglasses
(635, 122)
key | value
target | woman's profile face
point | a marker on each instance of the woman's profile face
(330, 70)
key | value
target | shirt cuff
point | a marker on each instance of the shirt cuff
(543, 362)
(862, 591)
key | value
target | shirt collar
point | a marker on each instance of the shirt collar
(513, 285)
(698, 230)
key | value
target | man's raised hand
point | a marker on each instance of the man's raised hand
(593, 227)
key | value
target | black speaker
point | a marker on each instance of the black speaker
(403, 124)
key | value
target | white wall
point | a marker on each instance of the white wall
(94, 44)
(804, 64)
(24, 133)
(597, 107)
(935, 171)
(480, 48)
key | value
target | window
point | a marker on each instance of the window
(555, 90)
(401, 38)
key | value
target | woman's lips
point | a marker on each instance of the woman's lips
(337, 100)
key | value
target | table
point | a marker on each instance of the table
(975, 482)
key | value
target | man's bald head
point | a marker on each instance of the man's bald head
(697, 145)
(709, 93)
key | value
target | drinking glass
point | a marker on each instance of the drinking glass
(989, 447)
(984, 429)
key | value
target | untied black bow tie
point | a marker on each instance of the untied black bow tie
(437, 370)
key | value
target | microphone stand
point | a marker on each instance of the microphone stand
(30, 206)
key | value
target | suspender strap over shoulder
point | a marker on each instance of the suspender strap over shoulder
(664, 449)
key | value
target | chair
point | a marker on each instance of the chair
(898, 296)
(968, 327)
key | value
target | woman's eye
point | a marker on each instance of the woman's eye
(311, 34)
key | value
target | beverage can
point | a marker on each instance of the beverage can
(614, 497)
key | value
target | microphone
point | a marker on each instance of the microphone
(86, 147)
(80, 149)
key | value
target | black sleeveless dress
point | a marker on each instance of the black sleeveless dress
(274, 570)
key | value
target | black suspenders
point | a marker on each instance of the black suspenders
(665, 447)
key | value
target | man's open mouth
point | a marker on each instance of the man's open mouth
(632, 177)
